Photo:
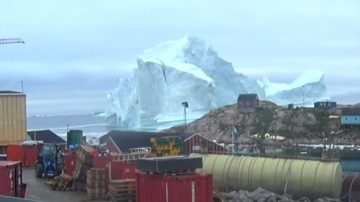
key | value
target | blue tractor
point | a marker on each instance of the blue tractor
(48, 164)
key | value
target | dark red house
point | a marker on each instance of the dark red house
(248, 102)
(199, 144)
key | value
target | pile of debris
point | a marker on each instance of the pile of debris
(262, 195)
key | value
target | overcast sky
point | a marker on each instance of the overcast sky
(75, 50)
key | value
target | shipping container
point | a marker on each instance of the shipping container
(27, 154)
(11, 179)
(15, 152)
(69, 163)
(12, 117)
(119, 170)
(174, 188)
(101, 161)
(31, 155)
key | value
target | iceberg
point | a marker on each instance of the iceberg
(305, 90)
(190, 70)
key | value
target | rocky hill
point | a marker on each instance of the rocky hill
(306, 125)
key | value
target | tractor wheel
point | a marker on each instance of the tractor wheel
(38, 170)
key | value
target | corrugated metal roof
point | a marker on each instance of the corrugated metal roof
(350, 112)
(47, 136)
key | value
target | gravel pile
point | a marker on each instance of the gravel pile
(262, 195)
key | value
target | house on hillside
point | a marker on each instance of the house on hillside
(325, 105)
(46, 136)
(350, 117)
(248, 102)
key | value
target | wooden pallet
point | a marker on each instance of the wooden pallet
(60, 183)
(96, 178)
(79, 186)
(117, 199)
(96, 193)
(122, 190)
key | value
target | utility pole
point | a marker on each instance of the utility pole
(185, 105)
(22, 86)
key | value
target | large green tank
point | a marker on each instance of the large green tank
(299, 178)
(74, 138)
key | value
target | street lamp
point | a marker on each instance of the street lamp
(185, 105)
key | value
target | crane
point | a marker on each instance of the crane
(11, 40)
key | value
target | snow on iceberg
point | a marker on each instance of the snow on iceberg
(271, 88)
(305, 90)
(190, 70)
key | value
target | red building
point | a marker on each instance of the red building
(199, 144)
(122, 142)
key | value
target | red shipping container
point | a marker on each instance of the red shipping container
(69, 163)
(27, 154)
(122, 170)
(15, 152)
(31, 153)
(11, 178)
(174, 188)
(101, 161)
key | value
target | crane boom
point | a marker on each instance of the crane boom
(11, 40)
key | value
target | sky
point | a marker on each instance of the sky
(74, 51)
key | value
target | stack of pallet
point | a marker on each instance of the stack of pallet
(60, 183)
(82, 165)
(96, 183)
(122, 190)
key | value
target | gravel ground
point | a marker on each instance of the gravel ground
(38, 190)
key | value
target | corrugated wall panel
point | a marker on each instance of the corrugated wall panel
(12, 119)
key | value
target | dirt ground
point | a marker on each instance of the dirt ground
(38, 190)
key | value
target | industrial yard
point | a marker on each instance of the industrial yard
(173, 165)
(38, 190)
(101, 101)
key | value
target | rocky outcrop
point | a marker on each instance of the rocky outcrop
(306, 125)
